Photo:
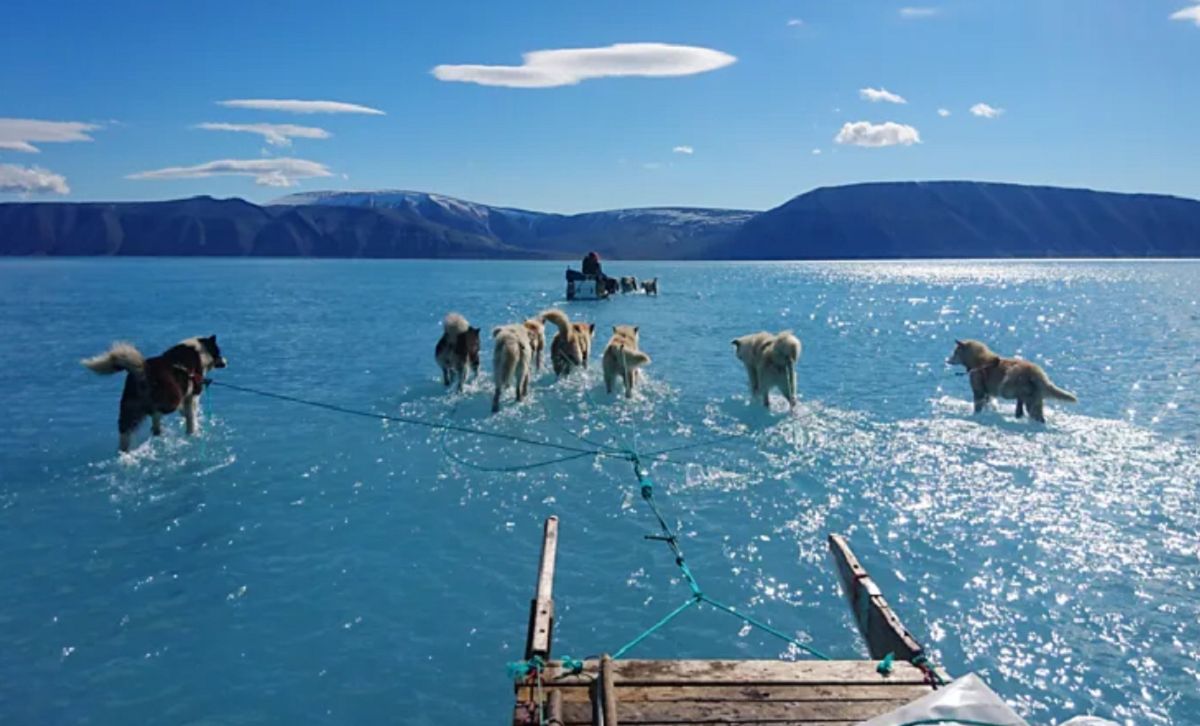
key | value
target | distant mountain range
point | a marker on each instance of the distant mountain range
(861, 221)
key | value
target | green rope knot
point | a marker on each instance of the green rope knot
(518, 669)
(885, 666)
(571, 665)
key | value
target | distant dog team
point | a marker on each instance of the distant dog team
(770, 361)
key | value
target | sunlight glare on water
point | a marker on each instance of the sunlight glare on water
(293, 564)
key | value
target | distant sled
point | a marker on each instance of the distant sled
(586, 287)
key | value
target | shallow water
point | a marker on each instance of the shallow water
(293, 564)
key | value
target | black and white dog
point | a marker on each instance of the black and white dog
(159, 385)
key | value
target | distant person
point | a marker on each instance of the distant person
(591, 265)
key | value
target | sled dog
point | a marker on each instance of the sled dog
(159, 385)
(993, 376)
(770, 361)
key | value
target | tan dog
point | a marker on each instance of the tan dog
(1009, 378)
(770, 362)
(572, 344)
(584, 333)
(537, 340)
(511, 361)
(623, 358)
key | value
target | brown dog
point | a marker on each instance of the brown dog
(572, 344)
(1008, 378)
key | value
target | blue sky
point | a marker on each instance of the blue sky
(1093, 93)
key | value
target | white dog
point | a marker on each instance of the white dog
(622, 358)
(770, 362)
(511, 360)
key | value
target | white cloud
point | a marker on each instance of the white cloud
(31, 180)
(795, 23)
(292, 106)
(684, 150)
(943, 112)
(267, 172)
(816, 152)
(983, 110)
(652, 165)
(16, 134)
(274, 134)
(918, 12)
(865, 133)
(875, 95)
(1192, 14)
(568, 66)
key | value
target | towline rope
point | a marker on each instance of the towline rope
(698, 595)
(404, 419)
(598, 450)
(520, 669)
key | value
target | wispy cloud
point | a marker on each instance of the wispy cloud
(875, 95)
(943, 112)
(816, 152)
(1192, 14)
(568, 66)
(293, 106)
(983, 110)
(795, 22)
(266, 172)
(684, 150)
(918, 12)
(274, 134)
(889, 133)
(31, 180)
(17, 134)
(652, 165)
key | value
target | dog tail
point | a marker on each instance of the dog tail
(1052, 391)
(119, 357)
(454, 325)
(634, 358)
(558, 317)
(786, 349)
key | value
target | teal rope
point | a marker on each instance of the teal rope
(922, 661)
(514, 468)
(766, 628)
(571, 665)
(698, 595)
(647, 490)
(519, 669)
(654, 628)
(404, 419)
